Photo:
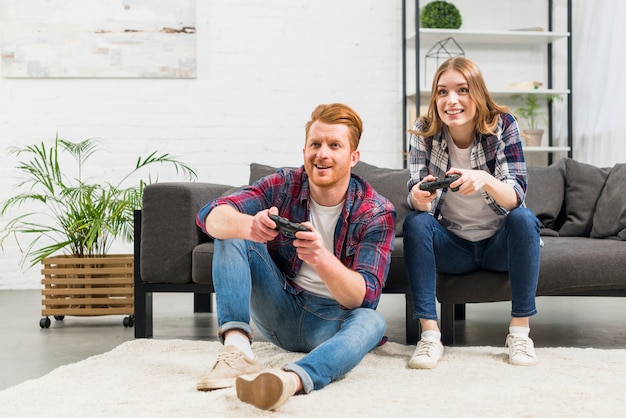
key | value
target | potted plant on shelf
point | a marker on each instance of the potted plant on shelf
(441, 15)
(531, 113)
(74, 222)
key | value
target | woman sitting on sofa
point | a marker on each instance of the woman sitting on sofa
(479, 221)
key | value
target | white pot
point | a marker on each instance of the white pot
(533, 137)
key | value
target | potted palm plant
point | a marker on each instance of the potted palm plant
(74, 222)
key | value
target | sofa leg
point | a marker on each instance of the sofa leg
(447, 323)
(459, 311)
(143, 314)
(202, 302)
(412, 326)
(143, 299)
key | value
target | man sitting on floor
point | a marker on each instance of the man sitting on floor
(313, 292)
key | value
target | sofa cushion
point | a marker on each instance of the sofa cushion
(609, 220)
(202, 264)
(389, 182)
(232, 190)
(258, 171)
(545, 194)
(569, 266)
(584, 183)
(168, 229)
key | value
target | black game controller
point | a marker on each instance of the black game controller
(431, 186)
(286, 227)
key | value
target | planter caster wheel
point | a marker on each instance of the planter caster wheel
(59, 317)
(129, 321)
(44, 322)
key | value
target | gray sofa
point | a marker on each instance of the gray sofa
(582, 209)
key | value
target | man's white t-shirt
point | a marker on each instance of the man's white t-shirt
(324, 219)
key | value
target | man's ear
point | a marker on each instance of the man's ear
(355, 157)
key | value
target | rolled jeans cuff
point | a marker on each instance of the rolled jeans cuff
(307, 382)
(242, 326)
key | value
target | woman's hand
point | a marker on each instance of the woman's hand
(422, 199)
(472, 181)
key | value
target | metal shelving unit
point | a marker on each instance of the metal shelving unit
(421, 39)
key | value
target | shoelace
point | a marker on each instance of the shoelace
(426, 348)
(521, 346)
(227, 357)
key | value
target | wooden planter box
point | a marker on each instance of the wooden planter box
(87, 286)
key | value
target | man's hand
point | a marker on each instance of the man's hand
(345, 285)
(310, 246)
(262, 228)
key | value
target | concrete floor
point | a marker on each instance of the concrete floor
(28, 351)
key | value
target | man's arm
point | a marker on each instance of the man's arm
(226, 222)
(346, 285)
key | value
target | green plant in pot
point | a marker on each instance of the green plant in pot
(531, 112)
(440, 14)
(72, 214)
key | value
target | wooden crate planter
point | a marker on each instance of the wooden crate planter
(87, 286)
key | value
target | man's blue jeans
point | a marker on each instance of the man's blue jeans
(248, 284)
(429, 247)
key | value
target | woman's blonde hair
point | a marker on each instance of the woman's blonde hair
(487, 110)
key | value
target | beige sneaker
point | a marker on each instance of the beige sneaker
(266, 390)
(427, 354)
(230, 364)
(521, 350)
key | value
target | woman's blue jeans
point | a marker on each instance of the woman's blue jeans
(248, 284)
(429, 247)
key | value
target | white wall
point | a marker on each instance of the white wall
(263, 66)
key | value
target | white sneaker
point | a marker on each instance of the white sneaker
(521, 350)
(427, 354)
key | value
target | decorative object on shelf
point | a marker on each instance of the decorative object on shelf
(531, 112)
(525, 85)
(78, 216)
(441, 51)
(440, 14)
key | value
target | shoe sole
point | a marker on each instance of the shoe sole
(206, 386)
(520, 363)
(427, 366)
(265, 390)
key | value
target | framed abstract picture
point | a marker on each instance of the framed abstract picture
(96, 38)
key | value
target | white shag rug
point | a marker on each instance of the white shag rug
(157, 378)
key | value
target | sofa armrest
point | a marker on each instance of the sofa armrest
(168, 228)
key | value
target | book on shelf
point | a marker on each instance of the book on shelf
(524, 85)
(531, 29)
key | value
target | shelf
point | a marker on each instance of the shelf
(546, 149)
(429, 37)
(424, 92)
(536, 49)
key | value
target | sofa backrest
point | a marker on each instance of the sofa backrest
(574, 199)
(564, 196)
(391, 183)
(545, 195)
